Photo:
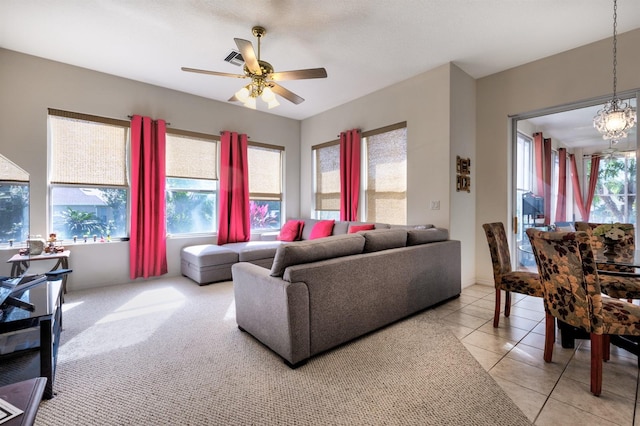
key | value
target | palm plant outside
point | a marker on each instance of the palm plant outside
(81, 223)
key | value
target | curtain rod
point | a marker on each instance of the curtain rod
(166, 122)
(222, 131)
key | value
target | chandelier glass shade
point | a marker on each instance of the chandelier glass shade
(615, 119)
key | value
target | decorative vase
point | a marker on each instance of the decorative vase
(610, 247)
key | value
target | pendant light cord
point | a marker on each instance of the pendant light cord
(615, 48)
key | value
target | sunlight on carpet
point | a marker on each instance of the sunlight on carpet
(190, 365)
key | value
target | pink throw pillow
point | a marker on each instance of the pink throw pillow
(321, 229)
(366, 227)
(291, 230)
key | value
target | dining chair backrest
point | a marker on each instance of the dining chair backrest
(597, 241)
(569, 277)
(499, 248)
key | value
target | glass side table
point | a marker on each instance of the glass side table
(46, 299)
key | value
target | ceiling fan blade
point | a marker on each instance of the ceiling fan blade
(299, 74)
(287, 94)
(223, 74)
(249, 55)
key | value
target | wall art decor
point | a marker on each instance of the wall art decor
(463, 176)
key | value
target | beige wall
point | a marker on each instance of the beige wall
(426, 103)
(463, 143)
(447, 114)
(422, 102)
(30, 85)
(576, 75)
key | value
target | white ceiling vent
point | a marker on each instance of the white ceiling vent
(234, 57)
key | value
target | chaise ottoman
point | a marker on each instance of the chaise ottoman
(207, 263)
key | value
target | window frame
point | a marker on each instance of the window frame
(126, 125)
(363, 208)
(323, 214)
(215, 192)
(268, 197)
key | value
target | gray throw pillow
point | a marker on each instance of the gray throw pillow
(299, 252)
(384, 239)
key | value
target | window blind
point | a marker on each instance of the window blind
(9, 172)
(191, 157)
(386, 192)
(265, 172)
(327, 164)
(87, 152)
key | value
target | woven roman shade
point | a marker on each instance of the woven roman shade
(193, 157)
(87, 152)
(9, 172)
(386, 194)
(265, 172)
(327, 162)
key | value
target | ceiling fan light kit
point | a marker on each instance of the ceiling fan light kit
(615, 119)
(263, 77)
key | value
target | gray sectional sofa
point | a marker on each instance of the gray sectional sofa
(322, 293)
(209, 263)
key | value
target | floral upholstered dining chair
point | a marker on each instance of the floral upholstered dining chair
(622, 233)
(504, 277)
(572, 294)
(618, 286)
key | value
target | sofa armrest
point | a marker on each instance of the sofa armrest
(274, 311)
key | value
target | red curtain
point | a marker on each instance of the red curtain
(538, 153)
(593, 181)
(585, 207)
(542, 154)
(234, 224)
(349, 174)
(147, 247)
(561, 204)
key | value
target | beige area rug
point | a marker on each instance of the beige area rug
(167, 352)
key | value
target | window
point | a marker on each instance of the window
(14, 202)
(192, 182)
(326, 163)
(615, 196)
(265, 186)
(386, 175)
(88, 180)
(383, 176)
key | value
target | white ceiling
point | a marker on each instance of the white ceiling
(365, 45)
(574, 129)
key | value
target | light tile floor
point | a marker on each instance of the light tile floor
(548, 393)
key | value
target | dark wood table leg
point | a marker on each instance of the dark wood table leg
(46, 355)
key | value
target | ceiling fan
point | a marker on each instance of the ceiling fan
(612, 152)
(263, 77)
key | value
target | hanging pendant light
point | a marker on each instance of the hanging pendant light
(615, 119)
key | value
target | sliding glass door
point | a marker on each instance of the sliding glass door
(544, 199)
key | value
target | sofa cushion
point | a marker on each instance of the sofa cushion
(365, 227)
(208, 254)
(315, 250)
(384, 239)
(291, 231)
(322, 229)
(424, 236)
(251, 251)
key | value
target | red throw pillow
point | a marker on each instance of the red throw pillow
(366, 227)
(291, 230)
(321, 229)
